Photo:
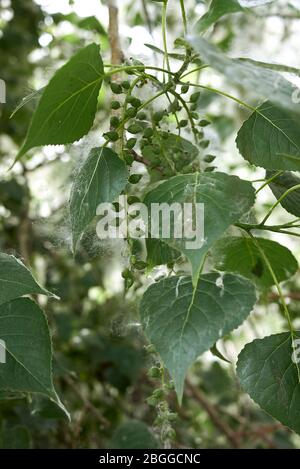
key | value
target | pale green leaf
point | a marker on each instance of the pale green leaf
(67, 108)
(242, 256)
(271, 378)
(182, 322)
(102, 178)
(16, 280)
(225, 198)
(264, 83)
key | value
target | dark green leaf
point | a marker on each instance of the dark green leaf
(16, 280)
(242, 256)
(271, 378)
(271, 138)
(223, 206)
(67, 108)
(102, 178)
(182, 323)
(27, 368)
(280, 185)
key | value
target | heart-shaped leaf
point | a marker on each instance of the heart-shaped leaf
(269, 375)
(183, 322)
(242, 256)
(28, 354)
(225, 199)
(67, 108)
(102, 178)
(271, 138)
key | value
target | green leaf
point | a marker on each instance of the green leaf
(67, 108)
(242, 256)
(217, 9)
(223, 206)
(264, 83)
(16, 280)
(159, 253)
(269, 375)
(27, 368)
(271, 138)
(102, 178)
(182, 322)
(271, 66)
(133, 435)
(280, 185)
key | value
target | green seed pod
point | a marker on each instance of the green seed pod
(115, 105)
(140, 265)
(135, 178)
(135, 102)
(158, 116)
(204, 123)
(171, 434)
(127, 273)
(131, 143)
(132, 199)
(125, 84)
(116, 88)
(142, 116)
(183, 123)
(195, 96)
(128, 158)
(158, 394)
(148, 132)
(130, 113)
(133, 259)
(204, 143)
(128, 283)
(210, 169)
(154, 372)
(111, 136)
(185, 89)
(114, 121)
(209, 158)
(134, 129)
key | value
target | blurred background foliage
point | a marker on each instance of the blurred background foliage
(101, 357)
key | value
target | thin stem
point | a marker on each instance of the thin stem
(268, 181)
(289, 191)
(133, 68)
(183, 14)
(275, 229)
(164, 33)
(197, 69)
(227, 95)
(190, 117)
